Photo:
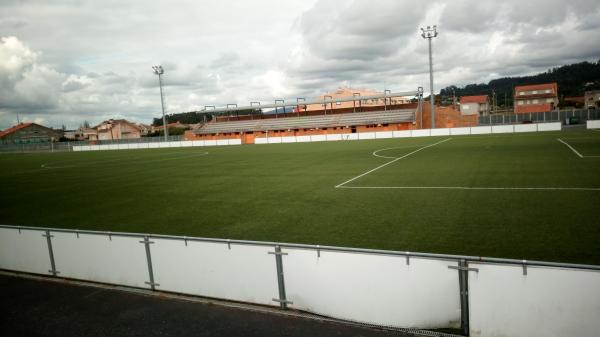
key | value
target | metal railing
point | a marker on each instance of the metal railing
(564, 116)
(282, 249)
(68, 146)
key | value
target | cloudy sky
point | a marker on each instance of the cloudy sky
(66, 61)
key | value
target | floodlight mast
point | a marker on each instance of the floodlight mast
(429, 34)
(158, 70)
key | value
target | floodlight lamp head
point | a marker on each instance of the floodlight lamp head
(158, 70)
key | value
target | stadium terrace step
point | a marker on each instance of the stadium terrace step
(351, 119)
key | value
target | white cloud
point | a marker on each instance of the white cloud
(65, 62)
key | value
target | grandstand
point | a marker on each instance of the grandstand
(309, 122)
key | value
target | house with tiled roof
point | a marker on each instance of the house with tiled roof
(114, 129)
(176, 125)
(474, 105)
(23, 133)
(536, 98)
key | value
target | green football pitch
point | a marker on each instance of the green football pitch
(527, 196)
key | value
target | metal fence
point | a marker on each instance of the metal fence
(564, 116)
(404, 290)
(36, 147)
(68, 146)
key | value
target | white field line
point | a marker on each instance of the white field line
(570, 147)
(392, 161)
(576, 152)
(473, 188)
(375, 153)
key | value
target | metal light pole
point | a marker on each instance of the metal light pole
(158, 70)
(429, 34)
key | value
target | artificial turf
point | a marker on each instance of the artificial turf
(286, 192)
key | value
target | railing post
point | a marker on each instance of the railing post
(283, 302)
(463, 280)
(147, 244)
(463, 284)
(48, 237)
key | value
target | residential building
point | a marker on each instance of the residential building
(71, 134)
(536, 98)
(592, 99)
(144, 129)
(114, 129)
(574, 101)
(350, 92)
(88, 134)
(474, 105)
(29, 133)
(176, 125)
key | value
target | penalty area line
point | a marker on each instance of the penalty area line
(570, 147)
(392, 161)
(575, 151)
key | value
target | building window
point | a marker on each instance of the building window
(521, 93)
(534, 92)
(548, 91)
(536, 101)
(520, 103)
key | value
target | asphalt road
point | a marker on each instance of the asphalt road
(30, 307)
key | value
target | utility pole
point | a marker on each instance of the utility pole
(454, 98)
(429, 34)
(158, 70)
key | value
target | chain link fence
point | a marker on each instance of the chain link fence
(7, 147)
(564, 116)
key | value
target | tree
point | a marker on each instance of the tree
(572, 80)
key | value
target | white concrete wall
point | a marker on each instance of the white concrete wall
(374, 289)
(318, 138)
(237, 272)
(100, 258)
(25, 251)
(481, 130)
(440, 132)
(460, 131)
(369, 288)
(526, 128)
(548, 302)
(503, 129)
(402, 134)
(366, 135)
(384, 134)
(593, 124)
(421, 133)
(478, 130)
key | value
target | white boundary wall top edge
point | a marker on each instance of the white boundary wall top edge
(476, 130)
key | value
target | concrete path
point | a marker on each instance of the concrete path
(33, 307)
